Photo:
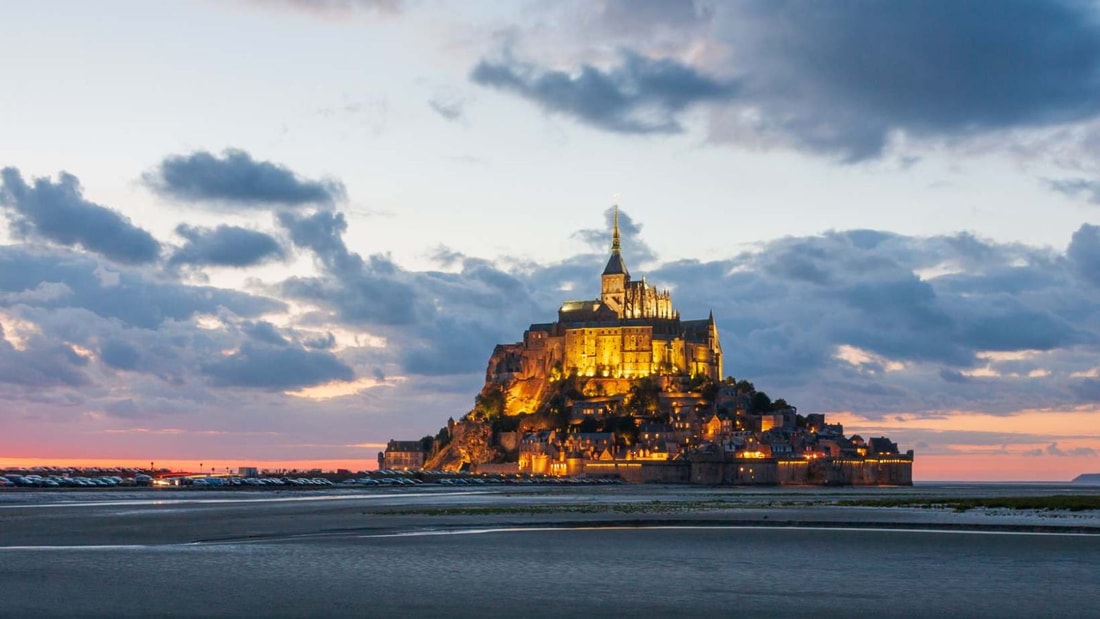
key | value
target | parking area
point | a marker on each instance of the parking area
(73, 478)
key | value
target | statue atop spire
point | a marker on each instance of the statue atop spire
(615, 243)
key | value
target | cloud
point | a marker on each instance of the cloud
(44, 364)
(264, 331)
(229, 246)
(785, 309)
(1084, 252)
(639, 96)
(650, 18)
(334, 8)
(58, 212)
(953, 376)
(360, 291)
(1053, 450)
(237, 180)
(437, 322)
(839, 79)
(862, 70)
(324, 342)
(635, 250)
(131, 296)
(371, 291)
(271, 367)
(1087, 389)
(322, 232)
(1074, 187)
(119, 354)
(448, 107)
(865, 321)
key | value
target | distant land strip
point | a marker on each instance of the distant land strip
(1072, 502)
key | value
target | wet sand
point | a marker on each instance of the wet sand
(178, 517)
(541, 551)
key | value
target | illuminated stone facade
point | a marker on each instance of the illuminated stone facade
(402, 456)
(630, 331)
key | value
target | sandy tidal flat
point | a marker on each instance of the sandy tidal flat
(655, 551)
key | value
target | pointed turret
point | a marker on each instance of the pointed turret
(615, 264)
(615, 242)
(615, 276)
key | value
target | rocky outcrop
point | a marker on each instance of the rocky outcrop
(471, 442)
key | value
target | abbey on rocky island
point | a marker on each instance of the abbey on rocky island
(631, 331)
(620, 387)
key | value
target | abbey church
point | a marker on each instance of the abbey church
(631, 331)
(620, 387)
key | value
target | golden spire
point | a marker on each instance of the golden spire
(615, 245)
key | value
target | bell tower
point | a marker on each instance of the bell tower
(615, 276)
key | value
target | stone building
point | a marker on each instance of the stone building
(402, 456)
(631, 331)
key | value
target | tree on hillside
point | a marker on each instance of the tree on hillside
(489, 404)
(760, 402)
(744, 387)
(643, 397)
(709, 390)
(443, 437)
(624, 428)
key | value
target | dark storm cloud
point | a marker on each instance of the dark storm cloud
(229, 246)
(839, 77)
(834, 78)
(269, 367)
(58, 212)
(640, 95)
(237, 179)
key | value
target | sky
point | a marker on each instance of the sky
(286, 232)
